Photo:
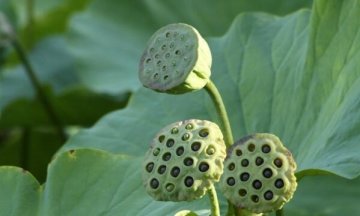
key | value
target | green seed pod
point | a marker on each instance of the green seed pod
(176, 60)
(186, 213)
(259, 174)
(184, 159)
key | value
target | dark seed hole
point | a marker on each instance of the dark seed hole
(244, 163)
(167, 34)
(203, 167)
(231, 166)
(161, 138)
(196, 146)
(230, 181)
(177, 52)
(259, 161)
(278, 162)
(179, 151)
(157, 56)
(257, 184)
(189, 126)
(166, 156)
(267, 173)
(161, 169)
(163, 47)
(268, 195)
(255, 198)
(174, 130)
(185, 137)
(166, 77)
(251, 147)
(244, 176)
(156, 75)
(148, 60)
(188, 161)
(163, 68)
(265, 148)
(238, 152)
(149, 167)
(175, 171)
(154, 183)
(204, 132)
(189, 181)
(156, 152)
(242, 192)
(170, 143)
(279, 183)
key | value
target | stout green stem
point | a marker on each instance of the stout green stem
(215, 209)
(44, 100)
(221, 110)
(280, 212)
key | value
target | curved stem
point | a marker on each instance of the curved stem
(221, 110)
(215, 209)
(44, 100)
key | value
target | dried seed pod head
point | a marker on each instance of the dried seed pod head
(176, 60)
(184, 159)
(6, 31)
(259, 174)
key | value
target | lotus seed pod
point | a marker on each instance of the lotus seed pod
(186, 213)
(184, 159)
(176, 60)
(259, 174)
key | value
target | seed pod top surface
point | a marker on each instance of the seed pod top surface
(176, 60)
(259, 173)
(184, 159)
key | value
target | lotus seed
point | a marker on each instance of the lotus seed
(165, 77)
(163, 68)
(189, 181)
(278, 162)
(163, 47)
(154, 183)
(158, 56)
(231, 181)
(175, 172)
(189, 126)
(244, 176)
(167, 55)
(161, 138)
(162, 169)
(179, 151)
(188, 161)
(266, 148)
(279, 183)
(156, 152)
(174, 130)
(177, 52)
(148, 60)
(242, 192)
(267, 173)
(244, 163)
(196, 146)
(268, 195)
(167, 34)
(170, 143)
(210, 150)
(166, 156)
(203, 167)
(170, 187)
(204, 132)
(259, 161)
(257, 184)
(251, 147)
(156, 75)
(149, 167)
(255, 198)
(172, 45)
(152, 50)
(185, 137)
(238, 152)
(231, 166)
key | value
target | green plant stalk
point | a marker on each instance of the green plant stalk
(44, 100)
(221, 110)
(215, 209)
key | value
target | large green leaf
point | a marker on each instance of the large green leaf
(295, 76)
(92, 182)
(107, 43)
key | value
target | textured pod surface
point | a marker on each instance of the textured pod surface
(259, 173)
(176, 60)
(184, 159)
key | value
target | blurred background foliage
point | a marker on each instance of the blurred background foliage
(82, 73)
